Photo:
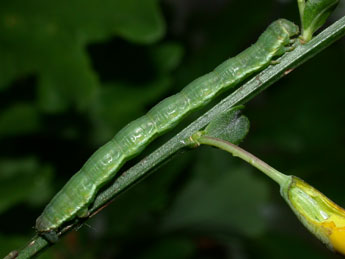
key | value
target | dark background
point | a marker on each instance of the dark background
(72, 73)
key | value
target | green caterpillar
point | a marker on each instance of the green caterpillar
(75, 197)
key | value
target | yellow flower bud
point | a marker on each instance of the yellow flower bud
(324, 218)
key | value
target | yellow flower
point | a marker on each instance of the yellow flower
(324, 218)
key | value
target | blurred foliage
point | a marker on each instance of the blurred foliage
(72, 73)
(49, 40)
(28, 178)
(204, 202)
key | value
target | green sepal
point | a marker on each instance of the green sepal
(230, 126)
(322, 217)
(314, 14)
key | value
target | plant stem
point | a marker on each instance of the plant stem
(301, 5)
(236, 151)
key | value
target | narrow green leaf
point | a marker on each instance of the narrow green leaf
(230, 126)
(314, 15)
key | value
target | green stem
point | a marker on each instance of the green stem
(301, 5)
(275, 175)
(307, 35)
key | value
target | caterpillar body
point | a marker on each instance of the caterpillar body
(75, 197)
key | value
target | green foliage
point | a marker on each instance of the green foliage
(24, 113)
(49, 39)
(314, 14)
(30, 180)
(214, 198)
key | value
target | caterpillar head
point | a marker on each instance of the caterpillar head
(291, 28)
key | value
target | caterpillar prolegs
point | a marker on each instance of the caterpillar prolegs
(75, 197)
